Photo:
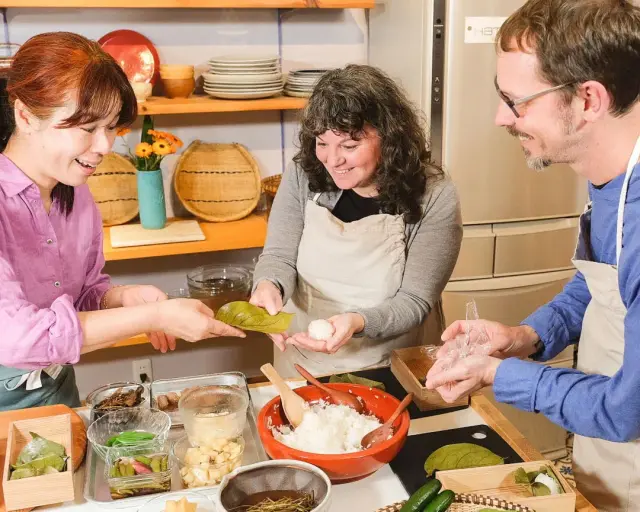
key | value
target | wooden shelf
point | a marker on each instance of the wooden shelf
(136, 340)
(202, 104)
(246, 233)
(193, 4)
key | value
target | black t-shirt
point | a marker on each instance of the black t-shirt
(351, 206)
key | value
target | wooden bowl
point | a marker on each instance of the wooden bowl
(178, 87)
(176, 71)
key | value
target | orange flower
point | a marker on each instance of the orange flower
(169, 137)
(123, 131)
(143, 150)
(161, 147)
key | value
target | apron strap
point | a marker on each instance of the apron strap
(635, 156)
(316, 196)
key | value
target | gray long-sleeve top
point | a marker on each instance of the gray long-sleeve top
(432, 247)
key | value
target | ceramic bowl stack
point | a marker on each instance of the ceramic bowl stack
(300, 83)
(243, 77)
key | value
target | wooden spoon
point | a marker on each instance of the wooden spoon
(292, 403)
(337, 397)
(383, 432)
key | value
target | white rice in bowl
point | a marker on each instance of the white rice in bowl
(327, 429)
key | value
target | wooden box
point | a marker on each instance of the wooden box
(492, 481)
(38, 490)
(410, 366)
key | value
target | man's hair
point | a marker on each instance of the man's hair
(580, 40)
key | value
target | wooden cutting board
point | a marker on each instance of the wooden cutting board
(78, 431)
(130, 235)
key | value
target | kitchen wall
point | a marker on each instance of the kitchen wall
(304, 38)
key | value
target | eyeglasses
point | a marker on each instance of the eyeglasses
(512, 104)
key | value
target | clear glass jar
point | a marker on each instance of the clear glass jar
(217, 285)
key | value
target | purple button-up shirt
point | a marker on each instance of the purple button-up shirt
(50, 268)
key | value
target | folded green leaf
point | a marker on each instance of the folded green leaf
(248, 317)
(520, 476)
(460, 456)
(39, 447)
(539, 489)
(348, 378)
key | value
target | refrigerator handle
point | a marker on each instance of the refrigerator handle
(437, 79)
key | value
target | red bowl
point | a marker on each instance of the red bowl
(340, 468)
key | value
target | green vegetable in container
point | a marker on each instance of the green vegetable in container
(248, 317)
(130, 438)
(39, 457)
(139, 475)
(460, 456)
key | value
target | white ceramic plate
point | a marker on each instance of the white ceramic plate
(297, 94)
(243, 87)
(244, 58)
(228, 72)
(243, 65)
(238, 77)
(244, 95)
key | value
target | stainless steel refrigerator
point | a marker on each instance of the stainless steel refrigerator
(520, 226)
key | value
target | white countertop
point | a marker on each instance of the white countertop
(376, 491)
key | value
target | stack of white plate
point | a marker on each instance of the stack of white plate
(243, 77)
(300, 83)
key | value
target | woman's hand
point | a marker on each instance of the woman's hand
(135, 295)
(191, 320)
(268, 296)
(344, 327)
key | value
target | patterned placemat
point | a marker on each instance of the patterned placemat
(565, 464)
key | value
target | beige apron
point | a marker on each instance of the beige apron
(342, 267)
(607, 473)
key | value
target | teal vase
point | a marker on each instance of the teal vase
(153, 213)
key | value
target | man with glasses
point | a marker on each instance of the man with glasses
(568, 74)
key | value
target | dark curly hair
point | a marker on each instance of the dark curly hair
(348, 99)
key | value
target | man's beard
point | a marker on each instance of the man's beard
(537, 163)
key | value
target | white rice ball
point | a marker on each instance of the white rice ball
(549, 482)
(320, 330)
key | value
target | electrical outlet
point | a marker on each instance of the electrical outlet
(142, 371)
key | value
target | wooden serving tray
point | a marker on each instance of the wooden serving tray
(410, 366)
(78, 432)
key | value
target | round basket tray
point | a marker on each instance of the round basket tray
(470, 503)
(270, 185)
(217, 182)
(114, 189)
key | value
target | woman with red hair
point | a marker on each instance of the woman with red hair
(65, 99)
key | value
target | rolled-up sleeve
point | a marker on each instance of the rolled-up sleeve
(35, 337)
(96, 282)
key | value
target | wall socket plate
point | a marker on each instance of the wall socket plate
(142, 371)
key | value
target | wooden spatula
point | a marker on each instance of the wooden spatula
(292, 403)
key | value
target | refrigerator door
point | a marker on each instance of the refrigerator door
(485, 162)
(507, 300)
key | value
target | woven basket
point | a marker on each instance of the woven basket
(270, 188)
(469, 503)
(114, 189)
(217, 182)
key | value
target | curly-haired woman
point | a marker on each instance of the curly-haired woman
(364, 231)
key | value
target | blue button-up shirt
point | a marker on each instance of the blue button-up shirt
(589, 405)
